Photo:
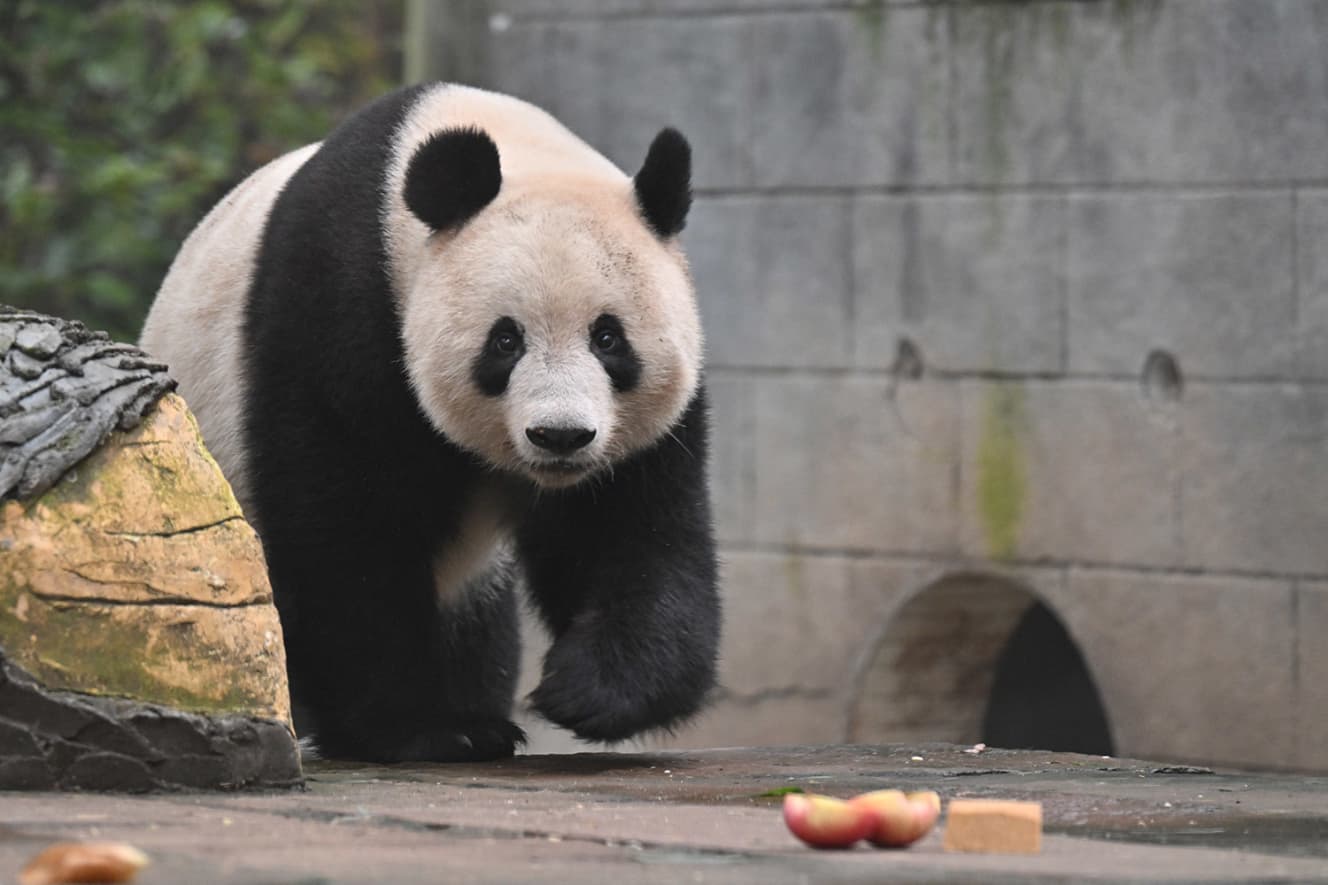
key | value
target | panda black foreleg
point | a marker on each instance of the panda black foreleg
(619, 670)
(385, 672)
(624, 573)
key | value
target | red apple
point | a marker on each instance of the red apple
(823, 822)
(900, 819)
(927, 797)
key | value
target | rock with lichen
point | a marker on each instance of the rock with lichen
(139, 646)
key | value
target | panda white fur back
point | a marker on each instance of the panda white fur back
(449, 340)
(196, 318)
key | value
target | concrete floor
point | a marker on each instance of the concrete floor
(695, 817)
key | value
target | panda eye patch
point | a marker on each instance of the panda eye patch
(502, 350)
(505, 338)
(609, 343)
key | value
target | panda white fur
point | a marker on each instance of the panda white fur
(446, 346)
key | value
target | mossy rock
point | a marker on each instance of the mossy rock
(137, 576)
(133, 591)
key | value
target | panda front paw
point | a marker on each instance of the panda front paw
(603, 696)
(590, 715)
(472, 739)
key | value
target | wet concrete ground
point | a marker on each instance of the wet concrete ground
(697, 816)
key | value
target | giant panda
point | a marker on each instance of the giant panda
(447, 351)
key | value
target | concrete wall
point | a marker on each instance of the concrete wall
(1032, 292)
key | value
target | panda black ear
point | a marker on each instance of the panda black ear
(452, 176)
(664, 184)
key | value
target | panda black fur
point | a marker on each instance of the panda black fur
(449, 346)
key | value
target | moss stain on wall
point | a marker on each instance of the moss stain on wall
(873, 20)
(1002, 470)
(1040, 43)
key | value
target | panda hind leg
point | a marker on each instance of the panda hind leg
(439, 690)
(480, 657)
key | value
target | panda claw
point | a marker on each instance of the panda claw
(467, 741)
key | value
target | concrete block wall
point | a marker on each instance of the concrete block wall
(1025, 299)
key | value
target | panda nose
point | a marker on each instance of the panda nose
(560, 440)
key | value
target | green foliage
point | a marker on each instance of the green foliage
(123, 121)
(779, 792)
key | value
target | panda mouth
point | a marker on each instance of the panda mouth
(561, 467)
(559, 470)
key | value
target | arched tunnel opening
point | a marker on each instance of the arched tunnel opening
(979, 658)
(1043, 695)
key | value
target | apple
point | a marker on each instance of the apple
(825, 822)
(901, 819)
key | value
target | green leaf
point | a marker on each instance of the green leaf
(125, 120)
(779, 791)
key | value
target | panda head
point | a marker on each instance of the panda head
(550, 323)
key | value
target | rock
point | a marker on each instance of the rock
(139, 644)
(41, 340)
(64, 740)
(137, 576)
(63, 390)
(25, 366)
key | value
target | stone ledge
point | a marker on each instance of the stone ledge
(69, 741)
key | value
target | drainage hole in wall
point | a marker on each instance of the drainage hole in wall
(1161, 378)
(908, 360)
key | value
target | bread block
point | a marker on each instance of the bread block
(994, 826)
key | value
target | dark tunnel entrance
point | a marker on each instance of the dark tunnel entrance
(977, 657)
(1043, 696)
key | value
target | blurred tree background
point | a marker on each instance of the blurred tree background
(123, 121)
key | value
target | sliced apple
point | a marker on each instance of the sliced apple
(929, 797)
(900, 819)
(824, 822)
(927, 804)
